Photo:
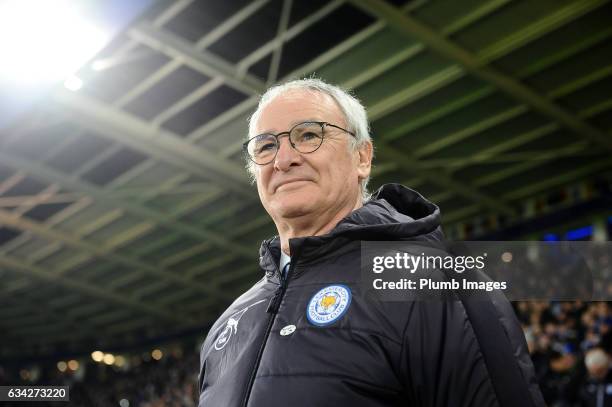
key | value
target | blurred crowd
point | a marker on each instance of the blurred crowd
(554, 270)
(169, 382)
(571, 346)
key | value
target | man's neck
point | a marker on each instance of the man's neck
(311, 225)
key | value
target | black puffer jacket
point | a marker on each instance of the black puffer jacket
(268, 350)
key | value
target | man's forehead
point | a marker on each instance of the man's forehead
(295, 106)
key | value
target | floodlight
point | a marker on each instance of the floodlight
(44, 41)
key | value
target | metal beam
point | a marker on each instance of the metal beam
(194, 188)
(537, 66)
(560, 179)
(400, 98)
(105, 251)
(502, 116)
(514, 142)
(242, 67)
(481, 93)
(168, 14)
(328, 56)
(498, 176)
(210, 38)
(412, 28)
(54, 176)
(409, 161)
(186, 101)
(49, 275)
(282, 29)
(442, 178)
(49, 314)
(534, 188)
(199, 59)
(574, 150)
(120, 239)
(161, 144)
(287, 35)
(66, 197)
(517, 39)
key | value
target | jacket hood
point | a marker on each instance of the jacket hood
(395, 212)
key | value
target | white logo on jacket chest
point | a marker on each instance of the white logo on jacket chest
(288, 330)
(328, 304)
(231, 327)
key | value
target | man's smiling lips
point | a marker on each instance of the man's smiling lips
(289, 181)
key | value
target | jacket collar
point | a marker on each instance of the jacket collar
(394, 213)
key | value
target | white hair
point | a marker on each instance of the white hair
(354, 114)
(596, 358)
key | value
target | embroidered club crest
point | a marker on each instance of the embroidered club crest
(328, 304)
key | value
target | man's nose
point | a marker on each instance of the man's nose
(286, 156)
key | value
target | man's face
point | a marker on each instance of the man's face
(320, 183)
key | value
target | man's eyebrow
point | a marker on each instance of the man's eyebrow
(292, 124)
(305, 121)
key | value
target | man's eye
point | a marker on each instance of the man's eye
(265, 147)
(308, 135)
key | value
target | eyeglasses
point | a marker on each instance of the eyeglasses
(304, 137)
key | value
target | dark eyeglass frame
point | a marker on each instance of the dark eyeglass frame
(288, 133)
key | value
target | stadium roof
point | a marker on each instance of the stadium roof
(125, 209)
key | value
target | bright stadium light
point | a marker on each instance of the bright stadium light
(97, 356)
(120, 361)
(43, 42)
(61, 366)
(109, 358)
(157, 354)
(99, 65)
(73, 83)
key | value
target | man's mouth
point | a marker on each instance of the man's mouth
(290, 182)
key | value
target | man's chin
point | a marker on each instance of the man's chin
(293, 208)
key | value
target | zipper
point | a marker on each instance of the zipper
(272, 310)
(275, 301)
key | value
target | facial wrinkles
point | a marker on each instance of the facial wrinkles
(287, 110)
(327, 167)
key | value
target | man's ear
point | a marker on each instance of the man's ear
(364, 166)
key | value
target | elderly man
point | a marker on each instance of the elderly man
(307, 334)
